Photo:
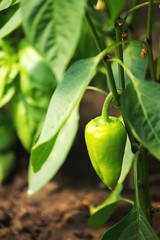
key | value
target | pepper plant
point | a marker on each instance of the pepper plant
(50, 52)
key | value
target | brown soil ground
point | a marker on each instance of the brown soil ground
(60, 210)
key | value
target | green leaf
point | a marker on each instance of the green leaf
(115, 7)
(13, 23)
(26, 120)
(53, 27)
(127, 161)
(66, 96)
(134, 226)
(37, 80)
(56, 157)
(7, 134)
(101, 214)
(4, 4)
(140, 107)
(136, 64)
(7, 162)
(9, 71)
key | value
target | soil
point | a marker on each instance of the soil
(60, 210)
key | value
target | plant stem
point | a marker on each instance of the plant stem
(136, 8)
(106, 63)
(114, 45)
(106, 105)
(112, 83)
(105, 108)
(158, 63)
(144, 185)
(149, 20)
(118, 31)
(149, 39)
(136, 158)
(97, 90)
(94, 32)
(128, 201)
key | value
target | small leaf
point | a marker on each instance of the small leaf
(66, 96)
(7, 162)
(101, 214)
(53, 27)
(57, 156)
(136, 64)
(127, 161)
(141, 110)
(13, 23)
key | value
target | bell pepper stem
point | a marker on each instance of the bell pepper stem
(106, 105)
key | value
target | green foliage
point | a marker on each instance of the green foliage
(138, 101)
(134, 226)
(11, 24)
(101, 214)
(43, 79)
(115, 7)
(7, 136)
(52, 30)
(37, 83)
(137, 65)
(7, 162)
(64, 100)
(8, 73)
(4, 4)
(57, 156)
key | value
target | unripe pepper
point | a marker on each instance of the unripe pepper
(105, 139)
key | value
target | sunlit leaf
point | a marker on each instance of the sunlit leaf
(101, 214)
(66, 96)
(56, 157)
(13, 23)
(53, 27)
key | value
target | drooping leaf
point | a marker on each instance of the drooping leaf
(101, 214)
(136, 64)
(141, 110)
(7, 162)
(53, 27)
(56, 157)
(115, 7)
(13, 23)
(66, 96)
